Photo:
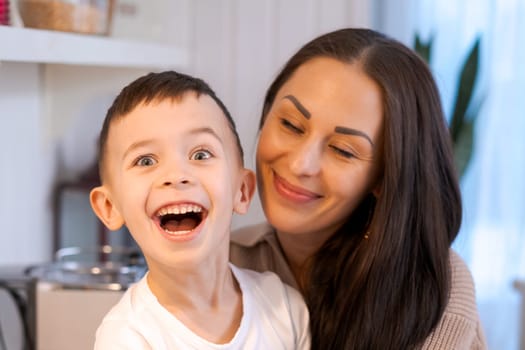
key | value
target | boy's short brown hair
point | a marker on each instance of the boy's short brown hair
(157, 87)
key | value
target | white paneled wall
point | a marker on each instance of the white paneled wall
(27, 167)
(236, 45)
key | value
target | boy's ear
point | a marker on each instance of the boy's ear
(105, 209)
(246, 191)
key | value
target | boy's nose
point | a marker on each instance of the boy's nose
(182, 181)
(175, 176)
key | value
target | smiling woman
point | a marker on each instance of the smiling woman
(319, 149)
(357, 182)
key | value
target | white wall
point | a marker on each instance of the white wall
(50, 116)
(27, 167)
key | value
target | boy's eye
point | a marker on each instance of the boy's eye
(342, 152)
(145, 161)
(201, 154)
(290, 126)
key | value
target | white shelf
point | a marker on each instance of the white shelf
(42, 46)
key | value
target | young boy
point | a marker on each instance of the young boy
(171, 166)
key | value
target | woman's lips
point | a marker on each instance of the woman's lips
(291, 192)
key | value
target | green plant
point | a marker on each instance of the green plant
(465, 112)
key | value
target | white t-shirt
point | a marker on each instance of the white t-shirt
(274, 317)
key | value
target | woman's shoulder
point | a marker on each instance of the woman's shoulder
(253, 247)
(462, 299)
(257, 248)
(460, 326)
(249, 236)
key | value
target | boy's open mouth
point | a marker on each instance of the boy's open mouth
(180, 219)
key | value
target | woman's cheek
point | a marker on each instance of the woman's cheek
(266, 144)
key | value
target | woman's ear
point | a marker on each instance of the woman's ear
(376, 191)
(245, 193)
(105, 209)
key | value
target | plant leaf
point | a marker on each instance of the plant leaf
(463, 147)
(465, 90)
(424, 49)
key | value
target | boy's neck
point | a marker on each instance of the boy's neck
(207, 299)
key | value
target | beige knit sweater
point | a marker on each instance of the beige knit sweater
(256, 247)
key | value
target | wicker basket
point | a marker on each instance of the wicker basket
(80, 16)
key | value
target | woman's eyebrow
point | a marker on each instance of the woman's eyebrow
(338, 129)
(298, 105)
(350, 131)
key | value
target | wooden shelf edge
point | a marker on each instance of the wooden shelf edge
(43, 46)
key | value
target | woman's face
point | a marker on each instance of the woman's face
(318, 151)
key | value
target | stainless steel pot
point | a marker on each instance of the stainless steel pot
(102, 268)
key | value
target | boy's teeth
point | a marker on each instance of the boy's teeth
(180, 209)
(177, 233)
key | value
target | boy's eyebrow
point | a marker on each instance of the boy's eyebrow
(206, 130)
(201, 130)
(135, 145)
(298, 105)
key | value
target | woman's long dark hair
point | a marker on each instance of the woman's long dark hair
(388, 291)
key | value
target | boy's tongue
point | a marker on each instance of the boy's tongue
(185, 224)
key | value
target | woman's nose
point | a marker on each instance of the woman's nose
(306, 159)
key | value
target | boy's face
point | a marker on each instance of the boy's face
(174, 178)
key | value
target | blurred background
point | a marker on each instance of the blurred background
(55, 88)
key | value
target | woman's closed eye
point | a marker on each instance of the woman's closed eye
(291, 126)
(145, 161)
(342, 152)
